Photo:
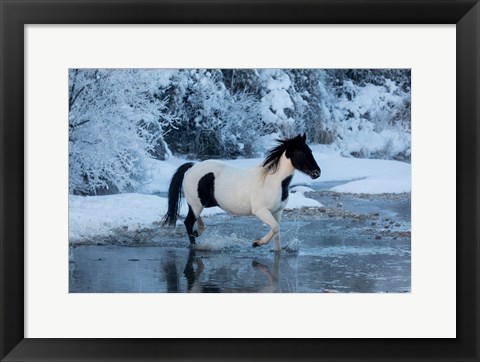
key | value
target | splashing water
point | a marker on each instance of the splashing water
(216, 240)
(294, 243)
(293, 246)
(213, 241)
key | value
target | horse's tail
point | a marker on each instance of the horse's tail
(175, 194)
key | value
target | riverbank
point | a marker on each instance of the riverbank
(352, 243)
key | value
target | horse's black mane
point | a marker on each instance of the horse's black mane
(274, 155)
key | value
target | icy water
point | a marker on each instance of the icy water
(354, 244)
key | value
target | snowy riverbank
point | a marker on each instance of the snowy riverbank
(354, 243)
(101, 215)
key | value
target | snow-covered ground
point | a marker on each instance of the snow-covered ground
(101, 215)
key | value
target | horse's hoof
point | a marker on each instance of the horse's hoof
(195, 233)
(255, 244)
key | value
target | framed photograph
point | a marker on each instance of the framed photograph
(246, 147)
(328, 211)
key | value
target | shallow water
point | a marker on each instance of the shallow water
(356, 243)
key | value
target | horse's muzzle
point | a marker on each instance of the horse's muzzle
(315, 174)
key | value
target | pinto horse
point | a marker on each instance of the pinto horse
(261, 190)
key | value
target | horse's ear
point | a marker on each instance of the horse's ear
(304, 136)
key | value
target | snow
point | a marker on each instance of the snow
(274, 79)
(101, 215)
(298, 200)
(366, 119)
(277, 99)
(360, 175)
(159, 174)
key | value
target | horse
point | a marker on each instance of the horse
(261, 190)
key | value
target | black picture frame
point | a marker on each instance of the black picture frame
(15, 14)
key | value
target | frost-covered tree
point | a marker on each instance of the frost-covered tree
(369, 112)
(313, 104)
(116, 121)
(242, 81)
(276, 103)
(364, 112)
(213, 121)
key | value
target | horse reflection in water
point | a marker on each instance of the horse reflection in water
(266, 281)
(193, 276)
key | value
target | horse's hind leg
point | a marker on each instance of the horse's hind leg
(192, 216)
(189, 222)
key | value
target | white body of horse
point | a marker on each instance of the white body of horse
(251, 191)
(261, 191)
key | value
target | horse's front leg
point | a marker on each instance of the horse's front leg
(266, 216)
(278, 216)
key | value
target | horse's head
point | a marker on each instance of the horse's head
(301, 156)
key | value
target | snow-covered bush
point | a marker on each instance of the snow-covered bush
(311, 100)
(116, 121)
(370, 120)
(242, 81)
(223, 113)
(213, 122)
(276, 101)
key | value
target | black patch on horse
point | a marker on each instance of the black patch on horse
(285, 184)
(206, 190)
